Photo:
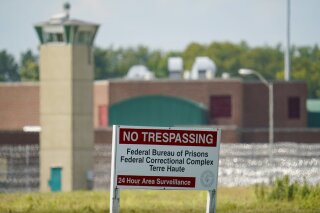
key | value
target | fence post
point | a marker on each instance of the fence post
(27, 168)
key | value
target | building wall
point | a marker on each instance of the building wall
(283, 92)
(100, 99)
(157, 110)
(249, 101)
(297, 135)
(18, 137)
(199, 91)
(19, 105)
(256, 107)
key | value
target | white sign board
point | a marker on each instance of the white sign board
(165, 158)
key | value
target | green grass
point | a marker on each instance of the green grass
(230, 200)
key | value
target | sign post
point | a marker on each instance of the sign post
(164, 158)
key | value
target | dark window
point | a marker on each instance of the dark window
(220, 106)
(53, 37)
(83, 37)
(202, 74)
(59, 37)
(103, 122)
(294, 107)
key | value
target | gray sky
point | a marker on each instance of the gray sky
(166, 24)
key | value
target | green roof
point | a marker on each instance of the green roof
(157, 110)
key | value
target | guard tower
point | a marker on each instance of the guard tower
(66, 87)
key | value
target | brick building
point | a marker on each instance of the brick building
(240, 108)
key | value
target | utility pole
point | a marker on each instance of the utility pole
(287, 50)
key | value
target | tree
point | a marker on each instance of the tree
(8, 67)
(29, 68)
(113, 63)
(306, 66)
(191, 52)
(100, 71)
(266, 60)
(228, 57)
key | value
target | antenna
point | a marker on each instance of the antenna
(66, 8)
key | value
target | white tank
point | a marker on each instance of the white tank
(139, 72)
(203, 68)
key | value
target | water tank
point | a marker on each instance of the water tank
(203, 68)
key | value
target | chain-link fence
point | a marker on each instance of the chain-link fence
(102, 166)
(240, 164)
(244, 164)
(19, 168)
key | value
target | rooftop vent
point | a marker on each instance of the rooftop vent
(139, 72)
(203, 68)
(175, 67)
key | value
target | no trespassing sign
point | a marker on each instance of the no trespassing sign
(165, 158)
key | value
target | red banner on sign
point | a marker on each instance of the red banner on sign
(167, 137)
(160, 181)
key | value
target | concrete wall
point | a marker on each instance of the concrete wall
(297, 135)
(260, 135)
(83, 134)
(55, 113)
(66, 114)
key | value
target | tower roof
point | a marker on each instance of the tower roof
(66, 22)
(63, 18)
(60, 28)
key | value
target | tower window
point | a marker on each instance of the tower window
(220, 106)
(59, 37)
(83, 37)
(294, 107)
(53, 37)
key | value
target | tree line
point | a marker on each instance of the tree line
(229, 57)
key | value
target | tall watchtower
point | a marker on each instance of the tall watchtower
(66, 87)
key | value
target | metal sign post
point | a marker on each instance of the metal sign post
(211, 202)
(114, 191)
(115, 200)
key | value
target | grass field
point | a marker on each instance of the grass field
(235, 199)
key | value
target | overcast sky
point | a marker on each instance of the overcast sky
(166, 24)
